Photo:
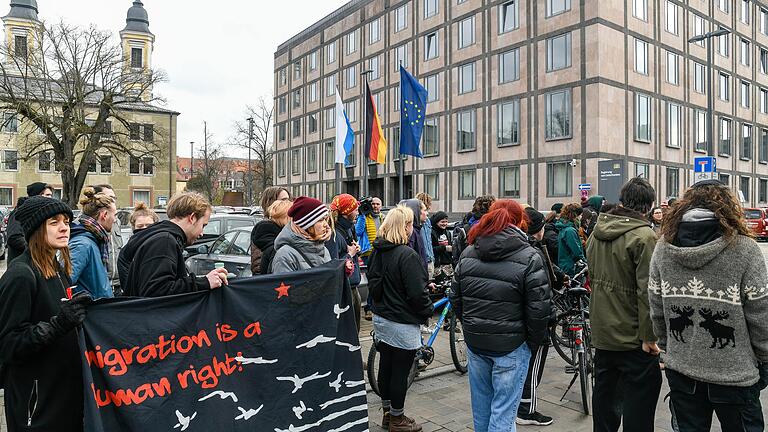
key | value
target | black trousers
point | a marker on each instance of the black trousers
(692, 403)
(394, 366)
(627, 383)
(535, 371)
(356, 305)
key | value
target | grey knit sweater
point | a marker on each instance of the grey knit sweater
(709, 308)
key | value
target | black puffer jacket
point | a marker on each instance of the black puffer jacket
(263, 238)
(501, 293)
(550, 240)
(398, 283)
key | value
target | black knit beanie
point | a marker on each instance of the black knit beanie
(536, 220)
(37, 188)
(36, 210)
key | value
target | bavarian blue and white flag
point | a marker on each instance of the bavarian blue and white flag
(345, 136)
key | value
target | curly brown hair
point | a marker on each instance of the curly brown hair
(717, 198)
(483, 204)
(571, 211)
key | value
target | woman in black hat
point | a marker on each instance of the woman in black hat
(38, 341)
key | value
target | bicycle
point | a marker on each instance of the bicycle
(567, 304)
(426, 353)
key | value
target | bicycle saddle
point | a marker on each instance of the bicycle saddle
(578, 291)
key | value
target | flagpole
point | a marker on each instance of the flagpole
(400, 160)
(364, 121)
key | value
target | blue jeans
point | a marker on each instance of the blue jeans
(496, 386)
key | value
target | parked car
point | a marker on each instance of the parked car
(219, 224)
(757, 221)
(233, 248)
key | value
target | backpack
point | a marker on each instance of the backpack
(459, 243)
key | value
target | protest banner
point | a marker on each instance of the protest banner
(272, 353)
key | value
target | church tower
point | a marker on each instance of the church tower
(138, 43)
(22, 30)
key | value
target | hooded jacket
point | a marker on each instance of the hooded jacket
(501, 293)
(594, 203)
(263, 238)
(43, 372)
(441, 239)
(88, 271)
(416, 242)
(460, 235)
(152, 263)
(619, 255)
(398, 283)
(569, 249)
(293, 252)
(17, 244)
(337, 245)
(709, 307)
(551, 232)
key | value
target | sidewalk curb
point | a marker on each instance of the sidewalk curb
(430, 373)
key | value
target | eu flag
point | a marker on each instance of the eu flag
(413, 110)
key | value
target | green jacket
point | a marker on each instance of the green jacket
(569, 249)
(619, 255)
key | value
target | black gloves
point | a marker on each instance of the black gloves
(72, 313)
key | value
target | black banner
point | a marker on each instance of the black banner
(269, 353)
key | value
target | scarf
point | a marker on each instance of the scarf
(102, 236)
(302, 232)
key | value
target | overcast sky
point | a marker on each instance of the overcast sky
(219, 55)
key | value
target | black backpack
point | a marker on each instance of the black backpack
(459, 243)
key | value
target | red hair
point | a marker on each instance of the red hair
(502, 214)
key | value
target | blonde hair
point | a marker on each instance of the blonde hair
(279, 209)
(394, 228)
(187, 203)
(94, 203)
(142, 210)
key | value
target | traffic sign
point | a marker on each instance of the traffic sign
(701, 176)
(585, 187)
(706, 164)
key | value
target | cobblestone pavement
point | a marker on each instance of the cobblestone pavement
(439, 399)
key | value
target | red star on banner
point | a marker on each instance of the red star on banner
(282, 290)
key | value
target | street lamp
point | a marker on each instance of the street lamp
(192, 159)
(710, 121)
(249, 176)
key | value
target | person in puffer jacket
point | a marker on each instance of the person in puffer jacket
(301, 243)
(501, 296)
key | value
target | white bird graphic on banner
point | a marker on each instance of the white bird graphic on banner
(299, 382)
(257, 360)
(246, 415)
(336, 384)
(338, 311)
(301, 409)
(314, 342)
(183, 420)
(348, 346)
(221, 394)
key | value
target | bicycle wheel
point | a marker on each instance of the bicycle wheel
(562, 337)
(373, 368)
(458, 347)
(585, 378)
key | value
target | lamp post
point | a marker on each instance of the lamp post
(249, 176)
(192, 159)
(710, 120)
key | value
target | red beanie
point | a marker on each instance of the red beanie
(305, 212)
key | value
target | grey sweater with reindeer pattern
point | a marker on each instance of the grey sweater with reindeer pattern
(709, 308)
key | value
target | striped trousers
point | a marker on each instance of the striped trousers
(532, 380)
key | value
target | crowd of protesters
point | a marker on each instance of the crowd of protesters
(665, 295)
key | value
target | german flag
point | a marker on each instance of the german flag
(375, 143)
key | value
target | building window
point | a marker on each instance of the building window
(559, 179)
(509, 182)
(312, 61)
(312, 123)
(44, 162)
(312, 93)
(297, 70)
(401, 18)
(396, 148)
(6, 196)
(673, 125)
(725, 137)
(10, 123)
(295, 162)
(465, 121)
(700, 130)
(762, 154)
(432, 185)
(509, 66)
(21, 49)
(508, 126)
(724, 5)
(725, 87)
(430, 46)
(134, 165)
(762, 190)
(281, 132)
(105, 162)
(144, 196)
(467, 78)
(763, 61)
(764, 21)
(330, 85)
(374, 31)
(672, 68)
(296, 128)
(642, 170)
(148, 166)
(351, 42)
(149, 132)
(725, 179)
(556, 7)
(746, 142)
(296, 98)
(764, 101)
(671, 18)
(373, 66)
(722, 45)
(351, 109)
(642, 118)
(93, 166)
(330, 53)
(282, 105)
(699, 28)
(559, 52)
(350, 77)
(744, 187)
(508, 16)
(745, 11)
(641, 57)
(281, 164)
(11, 160)
(698, 78)
(673, 182)
(745, 47)
(430, 8)
(432, 87)
(745, 91)
(558, 114)
(467, 184)
(281, 77)
(639, 9)
(467, 32)
(311, 153)
(330, 156)
(401, 57)
(431, 137)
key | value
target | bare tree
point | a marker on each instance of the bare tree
(261, 145)
(211, 164)
(69, 91)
